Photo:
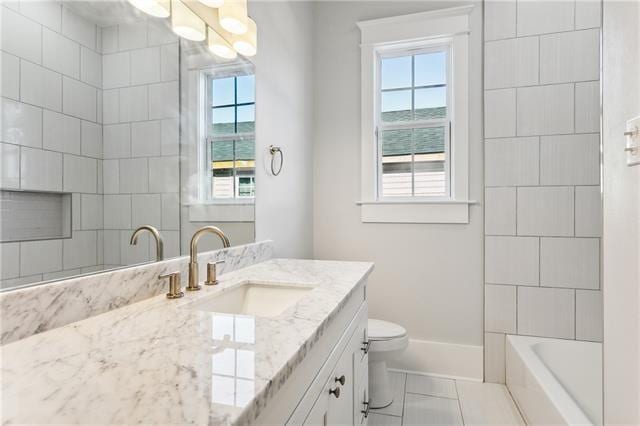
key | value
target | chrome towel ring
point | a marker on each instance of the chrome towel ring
(273, 150)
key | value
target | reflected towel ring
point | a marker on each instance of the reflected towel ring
(273, 150)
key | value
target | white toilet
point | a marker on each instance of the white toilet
(387, 341)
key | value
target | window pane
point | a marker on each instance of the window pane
(396, 163)
(246, 118)
(396, 72)
(223, 91)
(223, 121)
(245, 149)
(430, 103)
(429, 162)
(396, 106)
(222, 169)
(246, 89)
(430, 69)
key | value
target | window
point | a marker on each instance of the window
(230, 159)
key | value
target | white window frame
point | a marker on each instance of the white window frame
(405, 33)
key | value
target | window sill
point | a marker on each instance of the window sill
(422, 211)
(222, 212)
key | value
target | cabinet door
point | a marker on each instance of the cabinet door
(341, 406)
(318, 414)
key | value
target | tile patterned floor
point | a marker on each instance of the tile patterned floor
(424, 400)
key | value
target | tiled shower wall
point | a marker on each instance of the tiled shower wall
(542, 173)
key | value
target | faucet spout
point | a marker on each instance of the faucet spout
(193, 253)
(156, 235)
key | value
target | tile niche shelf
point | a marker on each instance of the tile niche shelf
(29, 215)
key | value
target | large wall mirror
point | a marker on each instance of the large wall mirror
(110, 122)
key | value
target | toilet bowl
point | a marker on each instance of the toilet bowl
(387, 341)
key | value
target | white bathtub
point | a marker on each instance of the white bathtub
(555, 381)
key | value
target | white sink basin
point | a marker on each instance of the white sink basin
(252, 298)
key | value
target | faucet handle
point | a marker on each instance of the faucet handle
(212, 272)
(174, 285)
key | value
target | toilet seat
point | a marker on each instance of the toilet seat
(386, 336)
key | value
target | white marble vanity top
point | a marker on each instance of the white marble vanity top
(159, 361)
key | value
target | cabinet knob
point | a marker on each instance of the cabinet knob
(366, 409)
(335, 391)
(341, 380)
(365, 346)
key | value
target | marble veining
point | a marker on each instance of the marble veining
(31, 310)
(160, 361)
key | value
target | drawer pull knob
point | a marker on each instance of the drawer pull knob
(365, 346)
(341, 380)
(366, 409)
(335, 391)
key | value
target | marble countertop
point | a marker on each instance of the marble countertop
(160, 361)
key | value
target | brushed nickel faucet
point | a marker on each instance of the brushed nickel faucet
(156, 235)
(193, 253)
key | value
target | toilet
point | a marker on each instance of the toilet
(387, 341)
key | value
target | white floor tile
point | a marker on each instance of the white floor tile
(487, 404)
(397, 384)
(432, 386)
(384, 420)
(429, 410)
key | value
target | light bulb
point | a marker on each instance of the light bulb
(186, 23)
(219, 46)
(233, 16)
(157, 8)
(247, 43)
(212, 3)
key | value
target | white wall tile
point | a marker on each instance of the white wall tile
(546, 312)
(159, 32)
(170, 63)
(511, 161)
(500, 19)
(62, 132)
(21, 36)
(588, 14)
(589, 320)
(163, 100)
(171, 211)
(145, 65)
(500, 308)
(571, 56)
(10, 260)
(570, 262)
(111, 106)
(100, 246)
(40, 170)
(37, 257)
(81, 250)
(111, 176)
(511, 63)
(134, 254)
(47, 13)
(91, 67)
(171, 245)
(10, 86)
(9, 166)
(494, 351)
(110, 39)
(163, 174)
(146, 210)
(99, 177)
(91, 139)
(99, 106)
(80, 174)
(92, 211)
(111, 247)
(40, 86)
(116, 70)
(570, 160)
(117, 212)
(116, 141)
(132, 35)
(500, 211)
(134, 176)
(170, 137)
(512, 260)
(134, 104)
(500, 113)
(545, 110)
(146, 139)
(78, 28)
(60, 54)
(538, 17)
(79, 99)
(588, 211)
(588, 107)
(76, 212)
(21, 123)
(545, 211)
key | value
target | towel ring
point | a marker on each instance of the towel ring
(273, 150)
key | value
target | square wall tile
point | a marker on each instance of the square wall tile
(570, 160)
(76, 212)
(146, 139)
(545, 211)
(500, 113)
(146, 210)
(91, 139)
(545, 110)
(170, 137)
(21, 36)
(10, 85)
(570, 262)
(111, 247)
(589, 320)
(117, 141)
(132, 35)
(163, 100)
(134, 176)
(62, 132)
(115, 70)
(588, 107)
(512, 161)
(512, 260)
(588, 211)
(164, 174)
(571, 56)
(500, 308)
(81, 250)
(538, 17)
(92, 211)
(111, 176)
(10, 260)
(117, 212)
(40, 170)
(37, 257)
(80, 99)
(171, 211)
(588, 14)
(79, 29)
(169, 62)
(40, 86)
(511, 63)
(171, 245)
(134, 104)
(9, 167)
(500, 211)
(145, 66)
(46, 13)
(499, 19)
(110, 39)
(21, 124)
(546, 312)
(494, 354)
(80, 174)
(111, 106)
(91, 67)
(60, 54)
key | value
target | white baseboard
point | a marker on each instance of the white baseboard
(437, 359)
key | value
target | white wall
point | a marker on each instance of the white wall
(283, 117)
(428, 277)
(621, 241)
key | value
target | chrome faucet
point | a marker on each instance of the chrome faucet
(193, 253)
(156, 234)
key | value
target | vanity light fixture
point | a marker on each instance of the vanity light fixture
(247, 43)
(186, 23)
(212, 3)
(233, 16)
(219, 46)
(157, 8)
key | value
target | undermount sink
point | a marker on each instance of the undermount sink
(254, 298)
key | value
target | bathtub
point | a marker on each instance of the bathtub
(555, 381)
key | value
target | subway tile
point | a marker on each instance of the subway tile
(111, 106)
(134, 104)
(500, 19)
(169, 137)
(145, 65)
(76, 212)
(21, 124)
(146, 139)
(570, 160)
(164, 174)
(512, 161)
(91, 139)
(545, 211)
(62, 132)
(171, 211)
(500, 211)
(90, 67)
(115, 70)
(588, 107)
(10, 260)
(538, 17)
(163, 100)
(545, 110)
(81, 250)
(494, 354)
(500, 308)
(131, 254)
(116, 141)
(40, 170)
(546, 312)
(570, 262)
(40, 86)
(146, 210)
(110, 39)
(80, 99)
(588, 211)
(60, 54)
(512, 260)
(571, 56)
(134, 176)
(588, 14)
(169, 65)
(37, 257)
(47, 13)
(511, 63)
(111, 176)
(132, 35)
(99, 106)
(80, 174)
(159, 32)
(100, 245)
(92, 211)
(500, 113)
(21, 36)
(10, 86)
(111, 244)
(9, 166)
(78, 28)
(171, 245)
(99, 177)
(589, 320)
(117, 212)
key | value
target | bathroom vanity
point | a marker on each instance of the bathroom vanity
(278, 342)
